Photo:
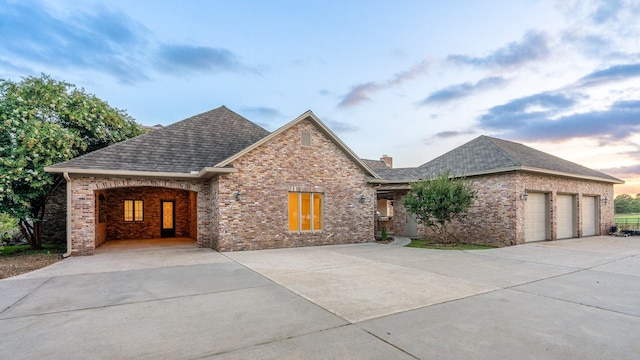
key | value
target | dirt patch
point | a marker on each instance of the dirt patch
(387, 241)
(20, 264)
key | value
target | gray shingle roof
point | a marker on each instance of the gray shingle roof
(484, 155)
(189, 145)
(375, 164)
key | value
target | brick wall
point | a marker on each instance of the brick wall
(86, 231)
(497, 217)
(149, 227)
(265, 176)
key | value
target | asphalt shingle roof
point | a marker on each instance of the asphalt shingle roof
(485, 154)
(375, 164)
(189, 145)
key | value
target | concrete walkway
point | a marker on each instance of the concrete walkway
(400, 241)
(564, 299)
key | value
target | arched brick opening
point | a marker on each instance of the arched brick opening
(135, 211)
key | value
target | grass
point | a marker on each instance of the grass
(15, 250)
(627, 220)
(430, 244)
(627, 216)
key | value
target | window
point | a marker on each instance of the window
(133, 210)
(305, 211)
(305, 138)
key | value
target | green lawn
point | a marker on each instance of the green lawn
(627, 219)
(25, 249)
(627, 216)
(430, 244)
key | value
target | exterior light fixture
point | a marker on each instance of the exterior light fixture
(362, 199)
(238, 193)
(524, 196)
(605, 200)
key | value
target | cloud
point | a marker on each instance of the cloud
(452, 134)
(262, 111)
(87, 40)
(360, 93)
(196, 58)
(341, 127)
(611, 74)
(458, 91)
(519, 112)
(618, 122)
(100, 40)
(532, 47)
(607, 11)
(446, 135)
(623, 171)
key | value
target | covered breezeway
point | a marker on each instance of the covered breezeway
(145, 212)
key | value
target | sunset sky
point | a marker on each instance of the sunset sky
(410, 79)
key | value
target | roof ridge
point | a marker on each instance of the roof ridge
(503, 151)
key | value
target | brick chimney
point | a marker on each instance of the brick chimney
(388, 160)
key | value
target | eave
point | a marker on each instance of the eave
(204, 173)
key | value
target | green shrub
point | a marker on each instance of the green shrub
(8, 227)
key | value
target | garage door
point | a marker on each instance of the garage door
(535, 217)
(589, 216)
(565, 216)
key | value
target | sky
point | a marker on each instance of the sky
(408, 79)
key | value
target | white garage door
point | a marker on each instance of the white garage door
(565, 215)
(589, 216)
(535, 217)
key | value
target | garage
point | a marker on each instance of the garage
(565, 216)
(589, 216)
(536, 219)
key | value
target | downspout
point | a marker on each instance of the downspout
(68, 179)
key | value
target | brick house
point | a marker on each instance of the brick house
(523, 195)
(224, 182)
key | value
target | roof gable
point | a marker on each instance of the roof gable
(311, 117)
(187, 146)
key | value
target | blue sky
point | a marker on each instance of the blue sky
(410, 79)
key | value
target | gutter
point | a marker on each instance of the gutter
(68, 180)
(205, 173)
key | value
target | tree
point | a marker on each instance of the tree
(624, 204)
(436, 202)
(42, 122)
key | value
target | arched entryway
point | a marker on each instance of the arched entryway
(145, 212)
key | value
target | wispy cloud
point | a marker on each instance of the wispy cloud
(447, 135)
(197, 58)
(262, 111)
(361, 92)
(533, 46)
(611, 74)
(341, 126)
(458, 91)
(452, 134)
(623, 171)
(616, 123)
(520, 112)
(99, 40)
(607, 11)
(88, 40)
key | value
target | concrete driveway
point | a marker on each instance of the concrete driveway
(565, 299)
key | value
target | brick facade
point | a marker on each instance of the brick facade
(209, 211)
(497, 217)
(267, 174)
(88, 232)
